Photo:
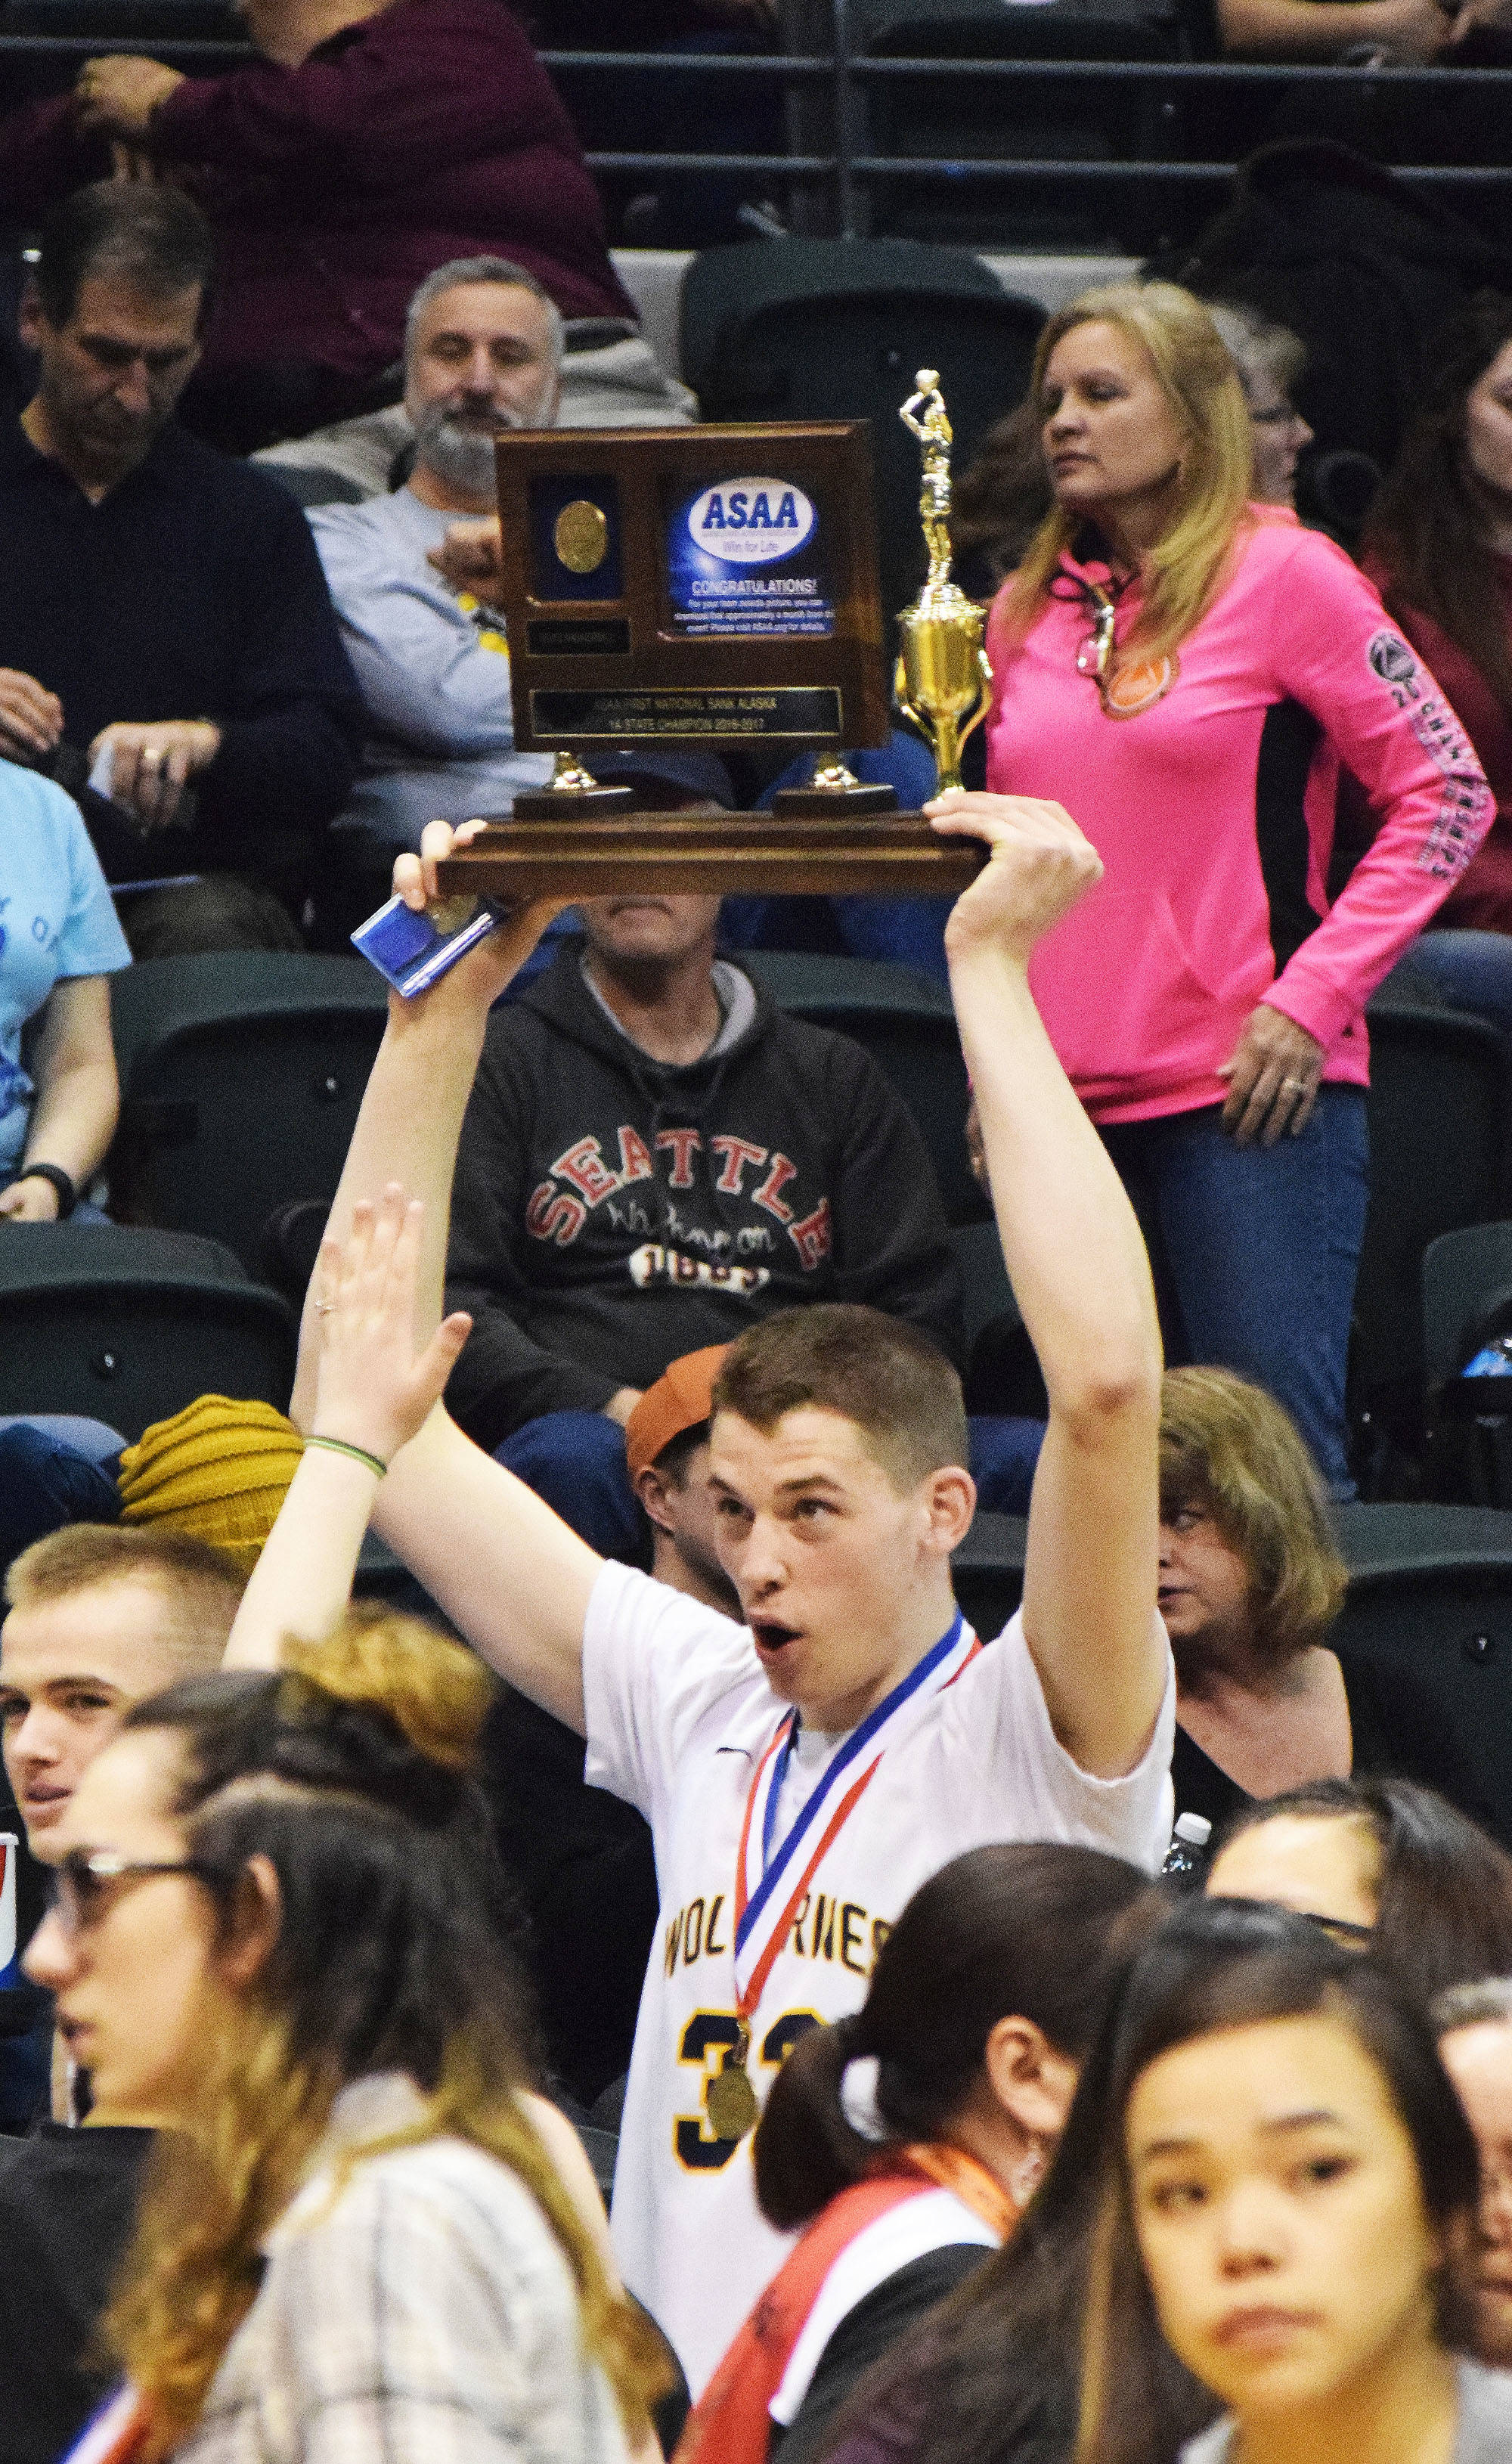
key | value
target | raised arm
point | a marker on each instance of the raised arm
(512, 1578)
(1081, 1279)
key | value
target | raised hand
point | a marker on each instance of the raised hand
(373, 1390)
(1040, 865)
(483, 974)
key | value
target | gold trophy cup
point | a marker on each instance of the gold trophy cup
(942, 675)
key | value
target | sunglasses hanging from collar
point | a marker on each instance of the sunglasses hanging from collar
(1124, 689)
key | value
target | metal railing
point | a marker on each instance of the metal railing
(846, 167)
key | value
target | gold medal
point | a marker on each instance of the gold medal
(731, 2102)
(581, 535)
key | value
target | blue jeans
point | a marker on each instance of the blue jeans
(576, 1461)
(1471, 970)
(53, 1471)
(1255, 1251)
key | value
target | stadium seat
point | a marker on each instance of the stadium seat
(1439, 1161)
(1070, 121)
(241, 1075)
(1428, 1629)
(128, 1325)
(905, 1021)
(1467, 1276)
(836, 329)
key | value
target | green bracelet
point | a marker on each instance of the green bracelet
(359, 1454)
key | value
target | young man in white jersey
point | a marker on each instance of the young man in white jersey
(804, 1773)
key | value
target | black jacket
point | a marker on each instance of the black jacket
(192, 591)
(610, 1213)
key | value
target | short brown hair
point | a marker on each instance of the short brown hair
(895, 1384)
(1230, 1448)
(201, 1587)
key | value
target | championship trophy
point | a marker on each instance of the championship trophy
(942, 671)
(713, 588)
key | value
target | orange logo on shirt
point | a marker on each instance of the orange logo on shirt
(1138, 685)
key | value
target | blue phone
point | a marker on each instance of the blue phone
(411, 951)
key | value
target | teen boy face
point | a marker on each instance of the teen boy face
(841, 1566)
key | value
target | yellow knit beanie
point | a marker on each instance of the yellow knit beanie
(218, 1469)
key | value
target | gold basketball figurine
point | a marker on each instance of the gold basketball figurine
(942, 675)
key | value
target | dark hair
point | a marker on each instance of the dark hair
(891, 1380)
(149, 234)
(991, 2377)
(1001, 499)
(1025, 1929)
(678, 1453)
(1127, 2381)
(1426, 526)
(1444, 1897)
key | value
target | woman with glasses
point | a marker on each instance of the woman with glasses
(1184, 670)
(1380, 1865)
(279, 1940)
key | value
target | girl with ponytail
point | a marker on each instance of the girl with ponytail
(982, 2003)
(281, 1936)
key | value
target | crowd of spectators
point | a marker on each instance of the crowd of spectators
(672, 1818)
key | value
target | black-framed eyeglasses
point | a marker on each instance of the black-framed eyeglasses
(84, 1882)
(1340, 1929)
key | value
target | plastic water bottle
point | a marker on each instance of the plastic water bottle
(1185, 1857)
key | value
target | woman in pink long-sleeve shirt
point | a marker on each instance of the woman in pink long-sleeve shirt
(1184, 670)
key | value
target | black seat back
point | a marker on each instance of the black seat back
(905, 1021)
(129, 1325)
(241, 1077)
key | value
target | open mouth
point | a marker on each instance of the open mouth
(769, 1637)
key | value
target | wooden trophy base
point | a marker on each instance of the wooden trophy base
(572, 806)
(832, 804)
(888, 854)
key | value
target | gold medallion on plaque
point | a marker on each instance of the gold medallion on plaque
(580, 537)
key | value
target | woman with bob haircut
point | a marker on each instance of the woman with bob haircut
(982, 2004)
(1288, 2206)
(1185, 669)
(1379, 1864)
(1251, 1580)
(278, 1938)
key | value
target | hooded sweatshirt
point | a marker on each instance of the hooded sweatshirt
(611, 1211)
(1210, 798)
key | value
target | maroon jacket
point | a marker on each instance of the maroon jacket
(429, 132)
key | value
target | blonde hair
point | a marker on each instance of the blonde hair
(200, 1587)
(289, 1767)
(1200, 383)
(1229, 1447)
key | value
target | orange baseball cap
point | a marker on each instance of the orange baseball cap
(683, 1397)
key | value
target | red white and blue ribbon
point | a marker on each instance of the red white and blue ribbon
(769, 1884)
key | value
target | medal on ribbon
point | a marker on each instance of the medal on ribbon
(767, 1896)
